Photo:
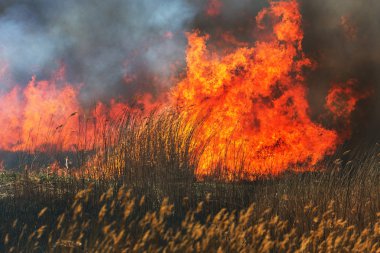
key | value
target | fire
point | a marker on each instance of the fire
(47, 115)
(342, 99)
(10, 106)
(253, 101)
(38, 115)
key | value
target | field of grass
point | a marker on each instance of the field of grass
(139, 193)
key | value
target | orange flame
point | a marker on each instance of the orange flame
(342, 99)
(253, 101)
(47, 115)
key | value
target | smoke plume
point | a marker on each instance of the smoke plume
(101, 43)
(116, 48)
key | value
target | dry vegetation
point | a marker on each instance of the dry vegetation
(139, 193)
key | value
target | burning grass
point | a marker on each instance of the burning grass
(149, 200)
(251, 99)
(237, 154)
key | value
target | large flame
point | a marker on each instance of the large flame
(46, 115)
(253, 100)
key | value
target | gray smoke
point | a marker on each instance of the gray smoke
(99, 41)
(102, 41)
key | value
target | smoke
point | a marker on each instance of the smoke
(101, 43)
(24, 44)
(118, 48)
(342, 37)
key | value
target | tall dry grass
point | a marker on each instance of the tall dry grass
(117, 221)
(118, 199)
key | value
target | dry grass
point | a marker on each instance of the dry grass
(119, 222)
(139, 194)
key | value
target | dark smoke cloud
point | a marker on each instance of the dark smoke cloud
(102, 41)
(343, 37)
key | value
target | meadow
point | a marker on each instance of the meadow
(138, 192)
